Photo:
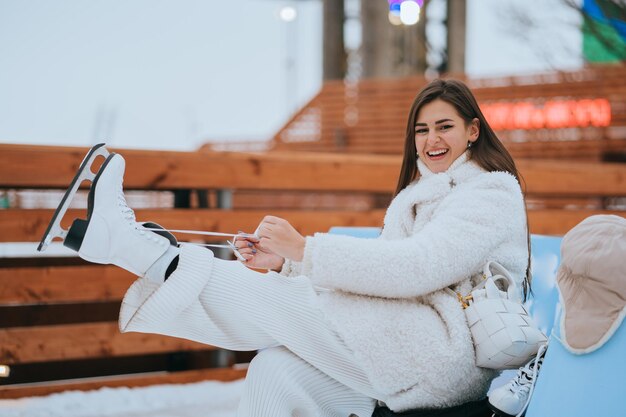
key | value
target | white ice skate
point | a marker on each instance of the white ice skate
(512, 399)
(110, 234)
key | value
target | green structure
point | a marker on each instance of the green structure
(604, 31)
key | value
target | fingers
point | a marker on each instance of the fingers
(276, 222)
(242, 243)
(271, 226)
(272, 220)
(244, 246)
(243, 239)
(245, 236)
(249, 245)
(264, 230)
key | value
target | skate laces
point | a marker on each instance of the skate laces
(523, 380)
(230, 243)
(526, 378)
(129, 213)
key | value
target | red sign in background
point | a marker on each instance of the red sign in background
(551, 114)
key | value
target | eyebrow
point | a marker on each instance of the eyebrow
(437, 122)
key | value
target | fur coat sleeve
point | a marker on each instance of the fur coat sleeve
(465, 227)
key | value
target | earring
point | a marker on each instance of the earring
(469, 145)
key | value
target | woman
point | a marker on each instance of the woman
(346, 321)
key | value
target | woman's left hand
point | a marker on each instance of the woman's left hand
(281, 238)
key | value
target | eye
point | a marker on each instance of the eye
(446, 127)
(421, 131)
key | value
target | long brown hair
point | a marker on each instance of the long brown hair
(487, 151)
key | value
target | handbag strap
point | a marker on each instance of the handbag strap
(492, 270)
(463, 299)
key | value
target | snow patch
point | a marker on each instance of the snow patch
(207, 399)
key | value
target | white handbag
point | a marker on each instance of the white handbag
(504, 335)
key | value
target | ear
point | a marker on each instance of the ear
(474, 129)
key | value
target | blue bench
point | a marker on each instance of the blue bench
(568, 385)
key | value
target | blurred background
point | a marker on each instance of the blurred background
(165, 74)
(239, 109)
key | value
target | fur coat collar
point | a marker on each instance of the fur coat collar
(425, 190)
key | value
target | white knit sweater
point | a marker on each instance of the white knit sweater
(387, 301)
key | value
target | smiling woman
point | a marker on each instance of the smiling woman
(343, 323)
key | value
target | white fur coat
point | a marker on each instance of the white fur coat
(386, 299)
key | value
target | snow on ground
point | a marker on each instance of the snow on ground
(201, 399)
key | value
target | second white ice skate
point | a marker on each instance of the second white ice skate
(110, 234)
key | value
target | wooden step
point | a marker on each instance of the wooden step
(136, 380)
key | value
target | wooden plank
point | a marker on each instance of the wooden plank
(559, 222)
(277, 200)
(56, 314)
(566, 178)
(63, 284)
(79, 341)
(28, 225)
(30, 166)
(49, 167)
(88, 384)
(565, 203)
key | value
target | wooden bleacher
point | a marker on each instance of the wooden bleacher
(59, 314)
(370, 116)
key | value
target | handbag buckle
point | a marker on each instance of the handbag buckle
(464, 300)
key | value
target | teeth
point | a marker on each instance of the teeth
(439, 152)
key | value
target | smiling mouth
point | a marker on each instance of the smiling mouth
(437, 154)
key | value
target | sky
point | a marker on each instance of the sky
(166, 74)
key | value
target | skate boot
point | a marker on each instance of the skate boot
(110, 234)
(512, 399)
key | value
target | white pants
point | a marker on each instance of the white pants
(313, 373)
(279, 383)
(305, 369)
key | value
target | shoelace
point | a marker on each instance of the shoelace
(526, 377)
(230, 243)
(128, 213)
(204, 233)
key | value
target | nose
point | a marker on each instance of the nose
(432, 138)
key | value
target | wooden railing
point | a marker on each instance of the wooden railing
(59, 314)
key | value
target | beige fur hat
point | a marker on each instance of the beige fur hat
(592, 282)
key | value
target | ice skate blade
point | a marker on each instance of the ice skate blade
(84, 173)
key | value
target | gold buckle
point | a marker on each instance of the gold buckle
(464, 300)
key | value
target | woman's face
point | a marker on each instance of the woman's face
(441, 135)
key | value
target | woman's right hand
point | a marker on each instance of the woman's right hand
(256, 256)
